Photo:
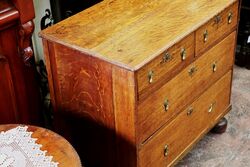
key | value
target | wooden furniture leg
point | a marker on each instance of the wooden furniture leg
(220, 127)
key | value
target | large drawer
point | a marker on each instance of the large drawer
(170, 99)
(216, 28)
(174, 139)
(165, 66)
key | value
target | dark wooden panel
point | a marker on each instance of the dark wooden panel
(23, 78)
(26, 10)
(8, 108)
(8, 14)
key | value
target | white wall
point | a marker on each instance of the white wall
(40, 7)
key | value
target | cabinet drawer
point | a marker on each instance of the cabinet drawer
(172, 97)
(166, 64)
(216, 28)
(174, 139)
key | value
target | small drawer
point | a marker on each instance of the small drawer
(166, 65)
(166, 147)
(171, 98)
(216, 28)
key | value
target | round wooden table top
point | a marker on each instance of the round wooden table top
(54, 144)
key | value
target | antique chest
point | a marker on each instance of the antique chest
(139, 82)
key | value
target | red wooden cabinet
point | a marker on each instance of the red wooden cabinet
(7, 95)
(19, 91)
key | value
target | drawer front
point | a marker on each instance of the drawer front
(166, 64)
(216, 28)
(171, 98)
(174, 139)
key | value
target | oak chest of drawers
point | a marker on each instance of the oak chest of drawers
(138, 83)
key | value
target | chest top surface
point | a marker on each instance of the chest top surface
(130, 33)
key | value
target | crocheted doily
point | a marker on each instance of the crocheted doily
(19, 149)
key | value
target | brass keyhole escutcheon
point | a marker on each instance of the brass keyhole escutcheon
(211, 107)
(150, 76)
(214, 67)
(166, 150)
(166, 57)
(192, 71)
(230, 17)
(190, 111)
(183, 54)
(217, 19)
(166, 105)
(205, 36)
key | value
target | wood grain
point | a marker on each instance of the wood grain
(216, 31)
(189, 126)
(165, 70)
(124, 96)
(110, 28)
(182, 89)
(48, 56)
(98, 64)
(55, 145)
(84, 83)
(83, 93)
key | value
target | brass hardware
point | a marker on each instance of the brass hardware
(166, 105)
(230, 17)
(166, 151)
(211, 107)
(167, 57)
(214, 67)
(205, 35)
(183, 54)
(192, 71)
(150, 76)
(190, 111)
(217, 19)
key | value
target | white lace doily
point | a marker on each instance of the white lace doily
(19, 149)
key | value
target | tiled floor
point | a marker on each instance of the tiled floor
(231, 149)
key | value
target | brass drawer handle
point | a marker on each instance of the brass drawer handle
(205, 36)
(166, 58)
(211, 107)
(166, 105)
(230, 17)
(183, 54)
(217, 19)
(150, 76)
(192, 71)
(214, 67)
(190, 111)
(166, 150)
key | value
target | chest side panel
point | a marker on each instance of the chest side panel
(124, 95)
(84, 106)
